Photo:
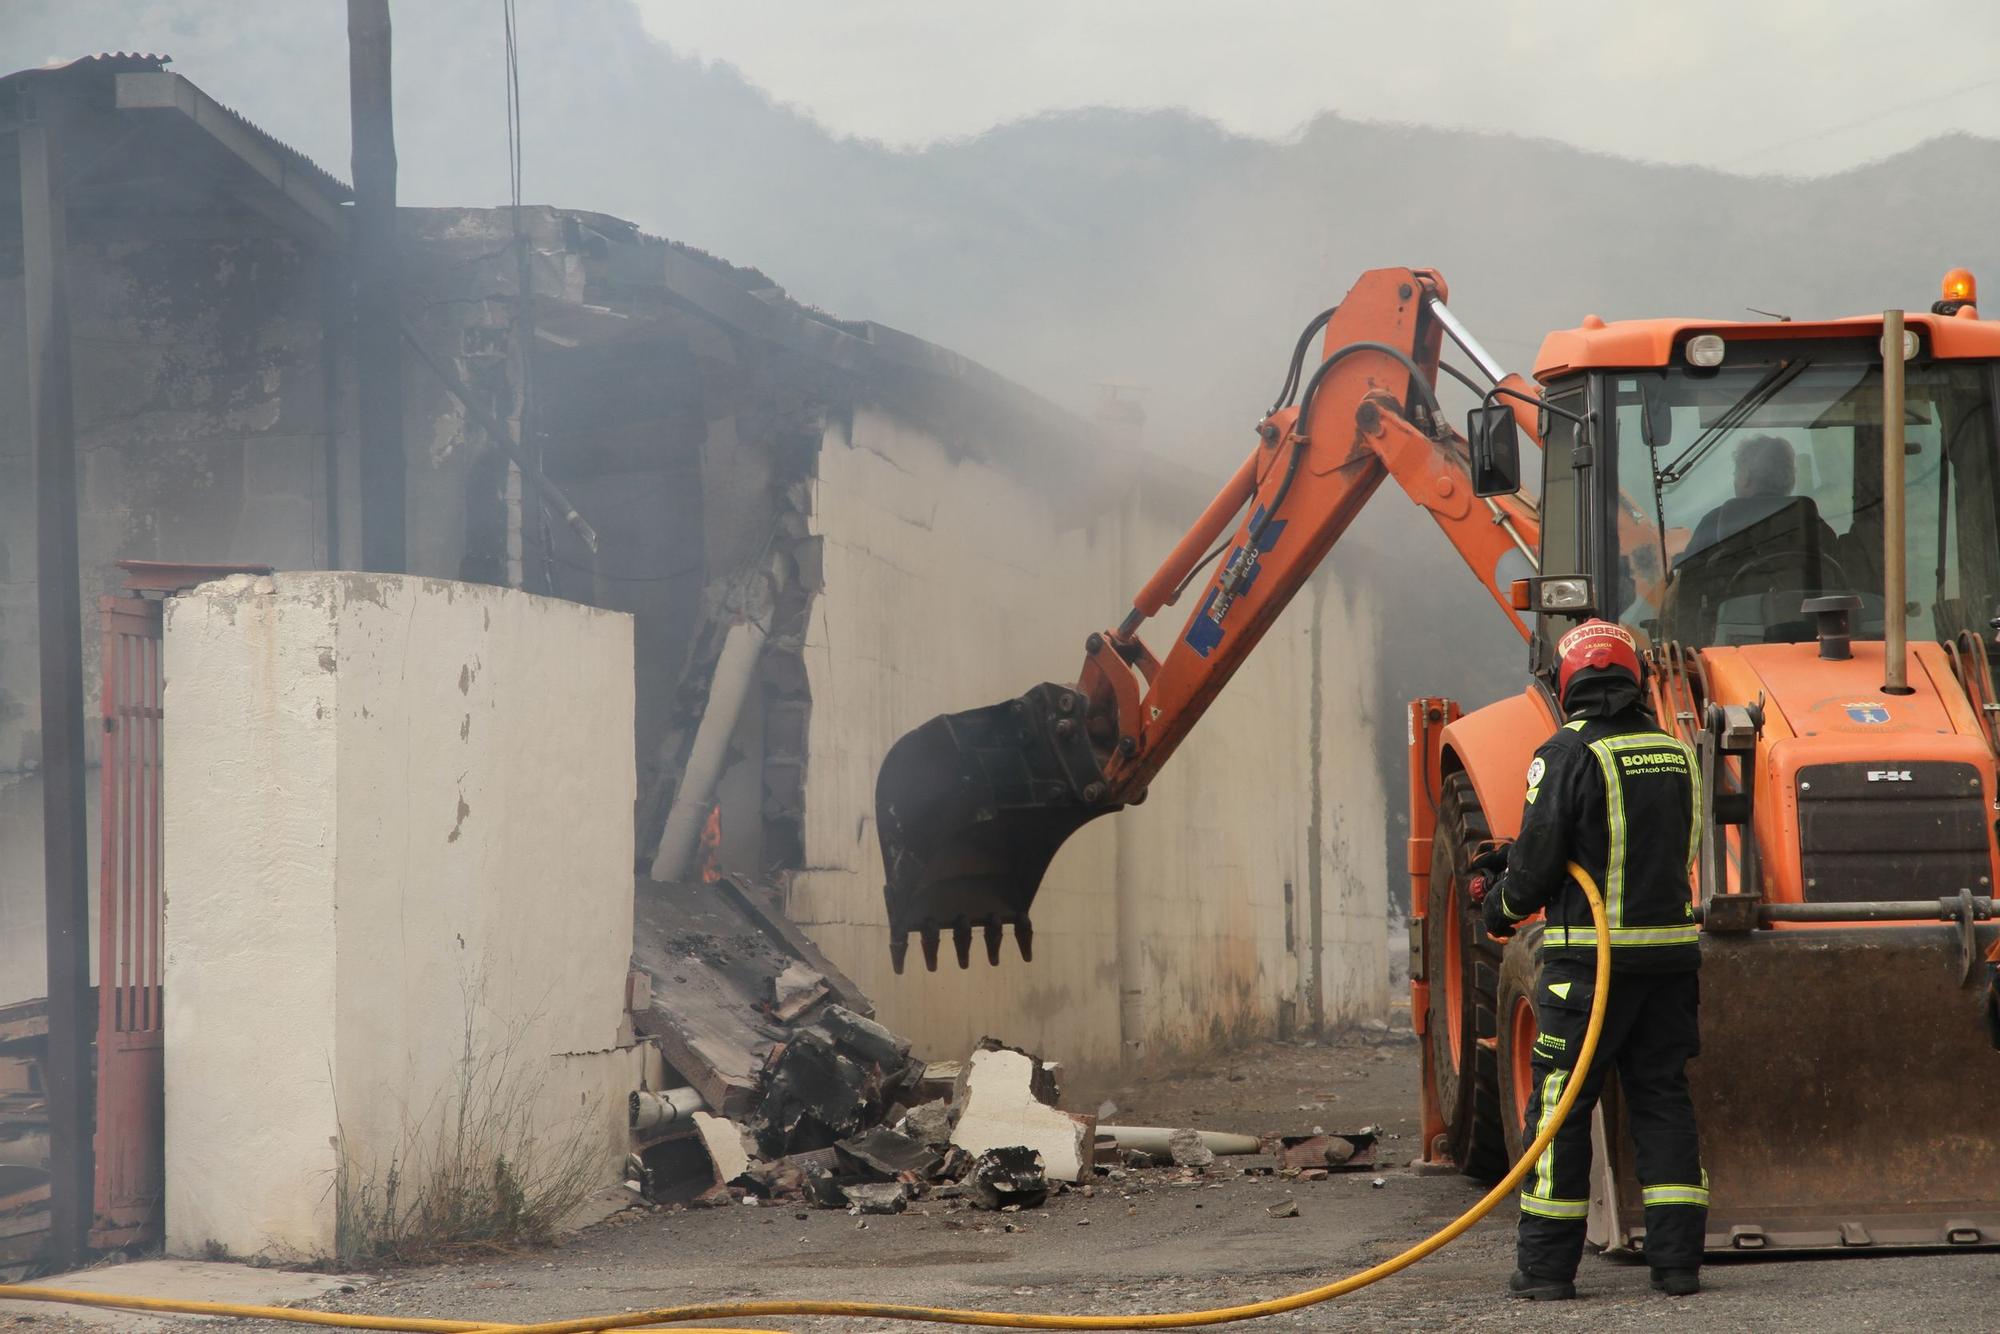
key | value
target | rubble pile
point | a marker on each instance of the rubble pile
(845, 1118)
(778, 1086)
(842, 1116)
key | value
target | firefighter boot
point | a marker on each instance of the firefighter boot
(1677, 1282)
(1535, 1288)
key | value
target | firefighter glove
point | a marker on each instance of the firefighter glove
(1498, 924)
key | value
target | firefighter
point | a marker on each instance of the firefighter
(1613, 793)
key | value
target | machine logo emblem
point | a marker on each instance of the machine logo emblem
(1868, 711)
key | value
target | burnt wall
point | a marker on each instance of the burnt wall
(204, 413)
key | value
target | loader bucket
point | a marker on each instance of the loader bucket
(1847, 1092)
(971, 808)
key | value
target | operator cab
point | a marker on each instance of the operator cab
(1705, 478)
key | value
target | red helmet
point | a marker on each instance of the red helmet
(1598, 644)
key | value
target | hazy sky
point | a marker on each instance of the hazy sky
(1799, 86)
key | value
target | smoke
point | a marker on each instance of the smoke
(1150, 249)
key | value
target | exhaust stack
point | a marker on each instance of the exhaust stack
(1895, 575)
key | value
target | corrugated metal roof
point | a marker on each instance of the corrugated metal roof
(103, 62)
(107, 63)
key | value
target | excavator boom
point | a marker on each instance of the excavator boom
(971, 807)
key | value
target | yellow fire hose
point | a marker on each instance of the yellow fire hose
(737, 1310)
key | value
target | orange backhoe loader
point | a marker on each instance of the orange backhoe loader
(1802, 523)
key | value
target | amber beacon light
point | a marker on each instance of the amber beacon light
(1958, 291)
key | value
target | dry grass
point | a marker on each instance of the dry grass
(473, 1170)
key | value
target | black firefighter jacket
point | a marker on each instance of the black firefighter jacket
(1621, 799)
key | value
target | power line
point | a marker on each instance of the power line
(1883, 114)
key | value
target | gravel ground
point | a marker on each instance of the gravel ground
(1150, 1242)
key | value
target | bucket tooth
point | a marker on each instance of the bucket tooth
(929, 939)
(899, 949)
(961, 942)
(1024, 936)
(995, 933)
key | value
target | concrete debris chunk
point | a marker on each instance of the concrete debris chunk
(928, 1123)
(795, 991)
(1187, 1150)
(1011, 1177)
(877, 1197)
(1284, 1209)
(865, 1039)
(1000, 1105)
(821, 1188)
(939, 1081)
(782, 1180)
(725, 1144)
(891, 1153)
(957, 1162)
(813, 1096)
(1346, 1152)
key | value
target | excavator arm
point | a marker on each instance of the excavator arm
(971, 807)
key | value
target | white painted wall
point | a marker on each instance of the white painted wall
(950, 584)
(398, 831)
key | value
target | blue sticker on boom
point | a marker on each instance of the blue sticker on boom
(1205, 630)
(1868, 711)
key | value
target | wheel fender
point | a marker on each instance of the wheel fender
(1494, 747)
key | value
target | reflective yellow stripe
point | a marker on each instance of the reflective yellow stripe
(1585, 937)
(1545, 1170)
(1694, 820)
(1614, 819)
(1545, 1207)
(1694, 1195)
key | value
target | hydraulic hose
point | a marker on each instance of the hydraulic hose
(1303, 424)
(1313, 326)
(737, 1310)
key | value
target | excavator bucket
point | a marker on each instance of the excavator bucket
(1846, 1091)
(971, 808)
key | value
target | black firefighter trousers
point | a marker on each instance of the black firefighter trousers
(1651, 1030)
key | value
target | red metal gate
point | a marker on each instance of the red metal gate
(130, 1141)
(129, 1144)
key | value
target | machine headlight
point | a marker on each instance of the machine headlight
(1705, 350)
(1565, 594)
(1911, 345)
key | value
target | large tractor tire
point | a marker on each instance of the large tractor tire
(1520, 976)
(1464, 965)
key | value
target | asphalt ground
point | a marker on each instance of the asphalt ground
(1152, 1241)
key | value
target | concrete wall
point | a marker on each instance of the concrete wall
(948, 584)
(398, 862)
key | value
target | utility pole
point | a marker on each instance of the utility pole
(378, 340)
(59, 617)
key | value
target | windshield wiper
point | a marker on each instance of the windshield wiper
(1760, 393)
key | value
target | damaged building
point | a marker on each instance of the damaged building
(825, 532)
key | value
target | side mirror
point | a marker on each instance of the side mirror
(1495, 439)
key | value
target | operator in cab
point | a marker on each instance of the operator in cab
(1767, 477)
(1619, 797)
